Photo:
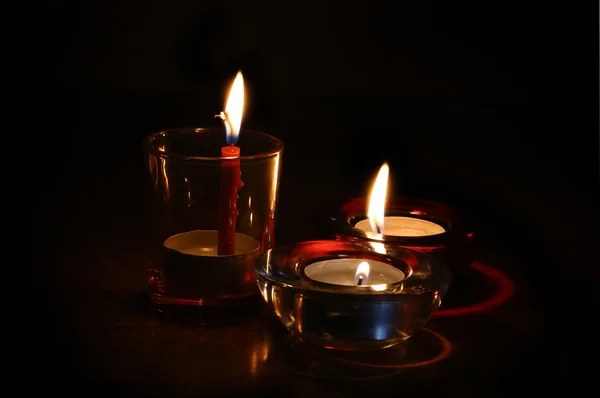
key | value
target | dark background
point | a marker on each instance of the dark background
(491, 106)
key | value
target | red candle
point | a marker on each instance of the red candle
(231, 173)
(231, 181)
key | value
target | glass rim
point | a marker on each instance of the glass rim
(147, 143)
(284, 266)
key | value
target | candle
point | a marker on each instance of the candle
(353, 272)
(231, 179)
(402, 226)
(193, 265)
(342, 295)
(362, 317)
(377, 224)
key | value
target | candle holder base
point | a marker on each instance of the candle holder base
(341, 345)
(225, 309)
(351, 318)
(292, 353)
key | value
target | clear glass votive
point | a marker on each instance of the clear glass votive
(211, 216)
(434, 228)
(320, 292)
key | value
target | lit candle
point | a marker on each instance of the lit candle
(342, 295)
(354, 272)
(231, 179)
(377, 224)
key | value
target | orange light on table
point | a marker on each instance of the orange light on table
(231, 174)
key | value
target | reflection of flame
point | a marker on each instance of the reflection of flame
(378, 247)
(268, 268)
(299, 305)
(445, 350)
(395, 359)
(275, 180)
(361, 276)
(264, 291)
(275, 300)
(232, 116)
(259, 355)
(376, 211)
(163, 163)
(379, 288)
(189, 192)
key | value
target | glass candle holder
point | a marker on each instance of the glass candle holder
(211, 216)
(320, 292)
(422, 225)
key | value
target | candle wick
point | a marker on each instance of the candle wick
(228, 127)
(360, 280)
(378, 229)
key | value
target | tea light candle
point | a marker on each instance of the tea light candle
(402, 226)
(193, 265)
(377, 224)
(396, 297)
(353, 272)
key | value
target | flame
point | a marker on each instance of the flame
(377, 200)
(234, 109)
(361, 276)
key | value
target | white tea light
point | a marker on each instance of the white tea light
(402, 226)
(343, 271)
(377, 224)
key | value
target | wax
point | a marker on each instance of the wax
(231, 181)
(342, 271)
(402, 226)
(193, 266)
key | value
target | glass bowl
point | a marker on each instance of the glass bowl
(347, 316)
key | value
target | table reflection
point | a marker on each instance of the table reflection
(425, 348)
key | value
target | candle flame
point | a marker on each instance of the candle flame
(361, 276)
(234, 109)
(376, 211)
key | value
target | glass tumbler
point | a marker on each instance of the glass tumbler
(211, 216)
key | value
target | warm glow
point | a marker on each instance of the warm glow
(234, 109)
(379, 288)
(377, 200)
(361, 276)
(378, 247)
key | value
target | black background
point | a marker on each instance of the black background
(491, 106)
